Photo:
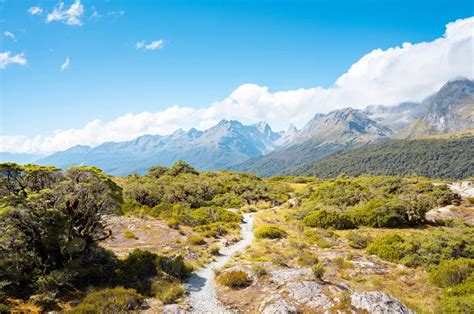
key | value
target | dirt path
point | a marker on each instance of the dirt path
(201, 285)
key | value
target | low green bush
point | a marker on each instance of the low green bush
(234, 279)
(116, 300)
(358, 240)
(214, 249)
(465, 288)
(452, 272)
(328, 219)
(456, 305)
(387, 247)
(129, 235)
(318, 270)
(270, 232)
(174, 266)
(45, 301)
(196, 239)
(137, 271)
(307, 258)
(321, 238)
(167, 291)
(425, 249)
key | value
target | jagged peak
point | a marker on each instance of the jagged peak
(263, 127)
(291, 129)
(228, 123)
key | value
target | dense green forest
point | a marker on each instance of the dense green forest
(432, 157)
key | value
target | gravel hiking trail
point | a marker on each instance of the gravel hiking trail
(200, 286)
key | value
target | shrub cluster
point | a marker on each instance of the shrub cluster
(270, 232)
(183, 196)
(457, 277)
(116, 300)
(380, 202)
(234, 279)
(425, 249)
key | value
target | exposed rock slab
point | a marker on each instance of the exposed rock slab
(275, 303)
(377, 302)
(309, 294)
(286, 275)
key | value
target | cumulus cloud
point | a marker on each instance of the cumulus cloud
(7, 58)
(65, 65)
(9, 35)
(71, 16)
(35, 11)
(154, 45)
(409, 72)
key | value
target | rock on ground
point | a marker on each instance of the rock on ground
(275, 304)
(282, 276)
(174, 309)
(309, 294)
(378, 303)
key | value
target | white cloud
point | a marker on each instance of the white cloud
(154, 45)
(6, 58)
(9, 35)
(35, 10)
(71, 16)
(406, 73)
(65, 65)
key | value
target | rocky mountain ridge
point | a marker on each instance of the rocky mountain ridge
(257, 148)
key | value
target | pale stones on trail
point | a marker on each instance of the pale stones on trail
(377, 302)
(174, 309)
(282, 276)
(310, 294)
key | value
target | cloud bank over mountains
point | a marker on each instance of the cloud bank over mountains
(409, 72)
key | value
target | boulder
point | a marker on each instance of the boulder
(275, 304)
(377, 302)
(310, 294)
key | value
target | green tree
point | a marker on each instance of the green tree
(53, 220)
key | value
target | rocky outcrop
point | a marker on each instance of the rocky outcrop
(310, 294)
(275, 303)
(377, 302)
(285, 275)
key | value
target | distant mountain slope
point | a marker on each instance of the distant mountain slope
(323, 135)
(451, 109)
(398, 117)
(227, 143)
(442, 157)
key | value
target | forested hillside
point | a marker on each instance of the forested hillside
(429, 157)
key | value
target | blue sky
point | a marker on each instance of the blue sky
(210, 49)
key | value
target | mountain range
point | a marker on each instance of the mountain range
(450, 109)
(258, 149)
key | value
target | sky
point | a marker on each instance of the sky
(86, 72)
